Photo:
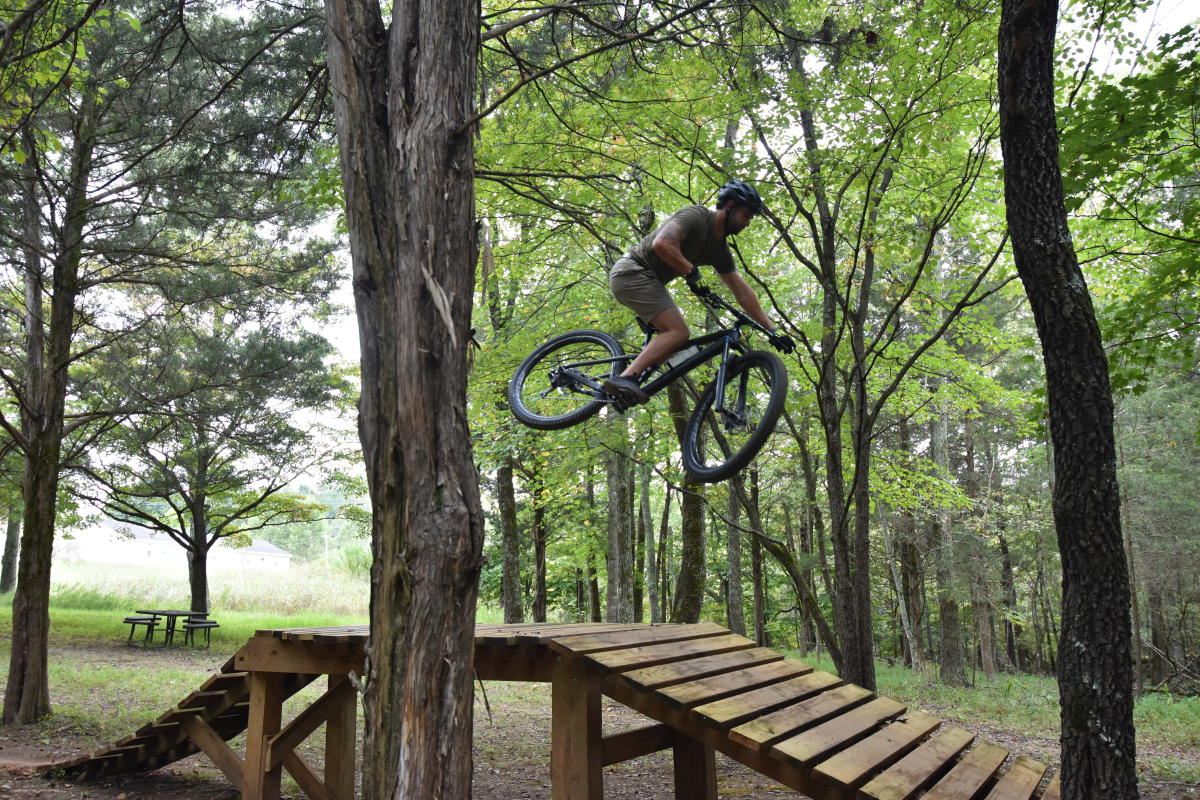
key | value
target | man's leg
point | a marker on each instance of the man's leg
(672, 333)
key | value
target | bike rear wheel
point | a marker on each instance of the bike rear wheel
(557, 387)
(717, 444)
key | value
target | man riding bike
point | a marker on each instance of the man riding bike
(691, 237)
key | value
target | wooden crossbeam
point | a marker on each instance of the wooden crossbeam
(213, 746)
(299, 729)
(312, 786)
(621, 747)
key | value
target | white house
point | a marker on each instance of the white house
(109, 542)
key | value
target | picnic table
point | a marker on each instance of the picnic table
(172, 616)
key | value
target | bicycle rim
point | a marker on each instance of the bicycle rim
(547, 392)
(718, 444)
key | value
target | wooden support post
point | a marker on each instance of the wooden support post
(340, 731)
(695, 769)
(576, 746)
(266, 713)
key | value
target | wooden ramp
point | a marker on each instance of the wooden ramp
(706, 690)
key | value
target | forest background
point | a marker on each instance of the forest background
(180, 160)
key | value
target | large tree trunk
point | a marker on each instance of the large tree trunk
(1094, 669)
(510, 579)
(48, 356)
(12, 541)
(402, 94)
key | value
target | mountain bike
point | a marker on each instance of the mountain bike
(560, 384)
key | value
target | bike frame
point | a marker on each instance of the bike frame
(718, 343)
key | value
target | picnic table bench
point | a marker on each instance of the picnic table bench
(151, 618)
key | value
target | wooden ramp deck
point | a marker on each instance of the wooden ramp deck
(705, 689)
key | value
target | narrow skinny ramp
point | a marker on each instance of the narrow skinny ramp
(222, 701)
(806, 728)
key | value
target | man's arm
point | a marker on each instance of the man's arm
(666, 246)
(746, 298)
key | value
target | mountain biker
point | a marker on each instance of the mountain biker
(691, 237)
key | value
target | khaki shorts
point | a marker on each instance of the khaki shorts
(636, 287)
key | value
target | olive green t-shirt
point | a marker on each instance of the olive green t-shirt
(698, 244)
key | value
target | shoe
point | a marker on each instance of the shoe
(625, 388)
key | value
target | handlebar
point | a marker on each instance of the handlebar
(716, 302)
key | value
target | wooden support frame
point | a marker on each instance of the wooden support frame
(575, 750)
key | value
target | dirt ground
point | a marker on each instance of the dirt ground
(511, 758)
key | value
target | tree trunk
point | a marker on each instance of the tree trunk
(950, 646)
(510, 536)
(12, 541)
(619, 595)
(538, 529)
(652, 552)
(197, 557)
(48, 355)
(1094, 668)
(689, 585)
(402, 93)
(594, 613)
(735, 601)
(1008, 587)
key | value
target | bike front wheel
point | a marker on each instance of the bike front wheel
(718, 442)
(558, 385)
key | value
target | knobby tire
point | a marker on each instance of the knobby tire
(532, 377)
(764, 370)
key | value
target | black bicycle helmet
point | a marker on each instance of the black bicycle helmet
(741, 193)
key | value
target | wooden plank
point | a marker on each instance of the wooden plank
(652, 655)
(1020, 782)
(695, 769)
(621, 747)
(262, 654)
(307, 721)
(761, 732)
(679, 671)
(1054, 789)
(716, 687)
(970, 774)
(340, 732)
(217, 751)
(838, 732)
(205, 700)
(312, 786)
(741, 707)
(587, 643)
(852, 766)
(523, 662)
(919, 768)
(575, 746)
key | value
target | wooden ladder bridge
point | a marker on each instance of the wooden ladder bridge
(705, 689)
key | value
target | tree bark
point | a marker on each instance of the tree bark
(950, 647)
(402, 93)
(1094, 667)
(652, 552)
(48, 356)
(735, 601)
(510, 579)
(197, 556)
(619, 595)
(689, 585)
(12, 541)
